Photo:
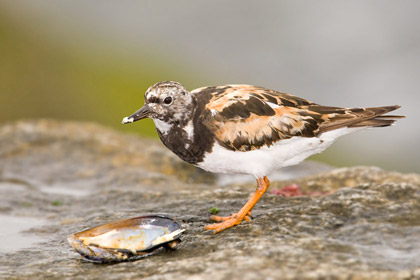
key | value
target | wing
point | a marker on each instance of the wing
(244, 117)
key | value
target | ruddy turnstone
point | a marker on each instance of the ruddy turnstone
(248, 129)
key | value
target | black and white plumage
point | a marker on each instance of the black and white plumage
(248, 129)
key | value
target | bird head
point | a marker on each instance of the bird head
(167, 102)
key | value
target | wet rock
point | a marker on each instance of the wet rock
(73, 176)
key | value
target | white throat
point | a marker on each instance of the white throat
(162, 126)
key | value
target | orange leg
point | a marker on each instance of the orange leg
(244, 213)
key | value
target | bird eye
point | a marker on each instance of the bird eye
(167, 100)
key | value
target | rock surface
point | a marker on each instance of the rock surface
(57, 178)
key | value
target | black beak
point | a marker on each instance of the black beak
(141, 113)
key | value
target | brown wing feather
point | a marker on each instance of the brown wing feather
(242, 118)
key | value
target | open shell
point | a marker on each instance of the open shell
(127, 239)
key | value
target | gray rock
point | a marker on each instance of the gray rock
(57, 178)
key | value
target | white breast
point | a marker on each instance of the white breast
(262, 161)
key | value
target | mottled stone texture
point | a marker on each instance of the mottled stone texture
(75, 175)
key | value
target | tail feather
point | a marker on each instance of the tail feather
(391, 117)
(378, 119)
(359, 117)
(374, 123)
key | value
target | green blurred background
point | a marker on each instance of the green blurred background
(42, 77)
(93, 60)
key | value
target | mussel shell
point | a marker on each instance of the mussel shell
(127, 239)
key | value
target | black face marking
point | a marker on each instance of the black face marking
(153, 99)
(243, 109)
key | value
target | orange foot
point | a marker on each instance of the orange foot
(226, 223)
(247, 217)
(243, 214)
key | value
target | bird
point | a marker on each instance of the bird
(246, 129)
